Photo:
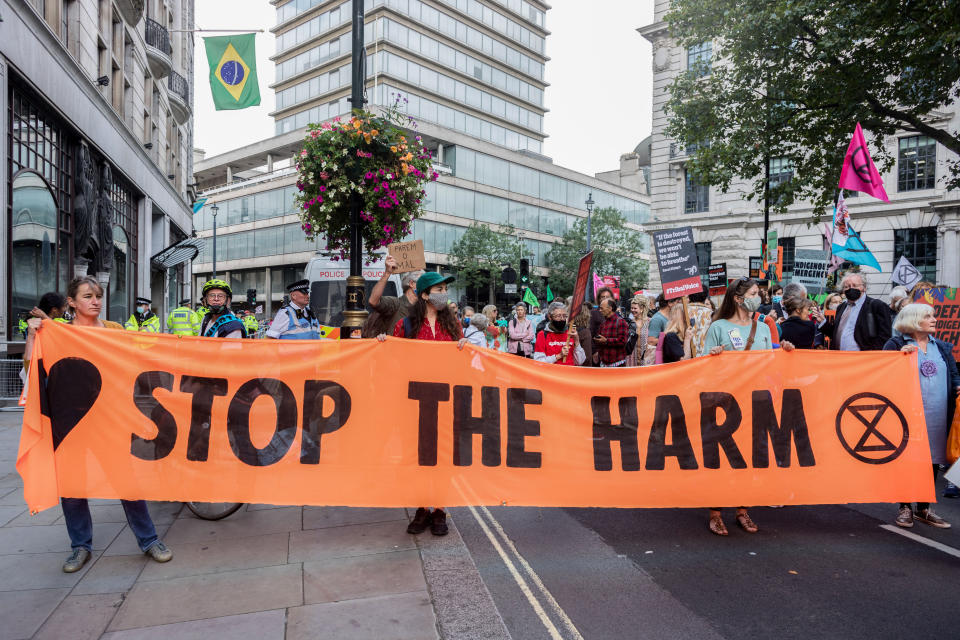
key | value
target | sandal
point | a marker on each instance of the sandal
(746, 523)
(716, 526)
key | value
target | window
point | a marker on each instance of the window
(704, 251)
(919, 246)
(696, 196)
(916, 163)
(789, 248)
(781, 170)
(698, 59)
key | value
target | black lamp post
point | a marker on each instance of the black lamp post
(354, 312)
(214, 209)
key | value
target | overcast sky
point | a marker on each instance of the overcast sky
(599, 98)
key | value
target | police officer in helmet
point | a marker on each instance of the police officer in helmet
(295, 320)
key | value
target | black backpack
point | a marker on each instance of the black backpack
(632, 338)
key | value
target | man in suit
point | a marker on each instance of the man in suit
(862, 323)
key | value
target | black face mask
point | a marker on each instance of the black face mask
(558, 327)
(853, 294)
(217, 309)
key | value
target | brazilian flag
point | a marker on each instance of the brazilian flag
(233, 71)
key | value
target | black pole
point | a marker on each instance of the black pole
(766, 211)
(355, 313)
(215, 244)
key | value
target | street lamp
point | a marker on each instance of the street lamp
(214, 210)
(589, 204)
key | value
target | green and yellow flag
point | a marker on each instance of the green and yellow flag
(233, 71)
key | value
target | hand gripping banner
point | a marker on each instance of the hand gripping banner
(114, 414)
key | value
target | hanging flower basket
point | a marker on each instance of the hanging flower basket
(369, 155)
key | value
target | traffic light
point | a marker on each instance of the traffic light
(251, 296)
(525, 272)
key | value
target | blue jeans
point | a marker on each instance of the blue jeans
(76, 513)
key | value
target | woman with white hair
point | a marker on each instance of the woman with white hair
(474, 333)
(939, 384)
(899, 298)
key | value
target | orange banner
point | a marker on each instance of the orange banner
(116, 414)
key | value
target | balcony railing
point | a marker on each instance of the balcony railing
(157, 36)
(177, 84)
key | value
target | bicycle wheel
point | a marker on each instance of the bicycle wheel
(213, 510)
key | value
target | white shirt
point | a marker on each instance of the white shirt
(281, 321)
(849, 320)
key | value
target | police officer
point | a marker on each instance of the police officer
(294, 320)
(182, 321)
(143, 318)
(251, 324)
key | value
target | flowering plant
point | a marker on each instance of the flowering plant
(369, 155)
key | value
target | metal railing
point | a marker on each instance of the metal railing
(157, 36)
(11, 362)
(177, 84)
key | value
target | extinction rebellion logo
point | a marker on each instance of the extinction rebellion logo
(875, 427)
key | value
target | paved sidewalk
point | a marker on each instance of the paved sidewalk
(265, 572)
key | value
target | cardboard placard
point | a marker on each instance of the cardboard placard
(409, 255)
(677, 261)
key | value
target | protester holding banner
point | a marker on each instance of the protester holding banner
(520, 332)
(735, 327)
(611, 338)
(85, 297)
(430, 318)
(862, 323)
(556, 344)
(939, 386)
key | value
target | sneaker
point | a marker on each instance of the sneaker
(76, 560)
(951, 491)
(159, 552)
(438, 523)
(905, 517)
(420, 521)
(932, 519)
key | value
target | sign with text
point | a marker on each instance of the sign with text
(772, 247)
(756, 267)
(810, 269)
(120, 414)
(612, 283)
(409, 255)
(717, 279)
(946, 308)
(677, 261)
(583, 281)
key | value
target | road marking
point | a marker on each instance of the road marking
(939, 546)
(551, 601)
(524, 587)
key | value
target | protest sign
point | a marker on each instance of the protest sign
(583, 281)
(121, 414)
(946, 307)
(810, 269)
(905, 274)
(756, 267)
(772, 246)
(612, 283)
(717, 279)
(677, 261)
(409, 255)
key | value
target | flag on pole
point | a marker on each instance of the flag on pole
(550, 295)
(847, 245)
(858, 172)
(233, 71)
(198, 204)
(529, 298)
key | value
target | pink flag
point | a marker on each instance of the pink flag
(859, 173)
(597, 284)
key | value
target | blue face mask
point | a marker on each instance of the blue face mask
(777, 299)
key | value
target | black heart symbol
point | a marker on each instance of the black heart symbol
(70, 390)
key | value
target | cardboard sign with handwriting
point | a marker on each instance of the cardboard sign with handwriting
(409, 255)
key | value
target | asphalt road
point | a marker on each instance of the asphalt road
(828, 571)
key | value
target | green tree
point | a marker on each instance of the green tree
(790, 78)
(479, 255)
(615, 249)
